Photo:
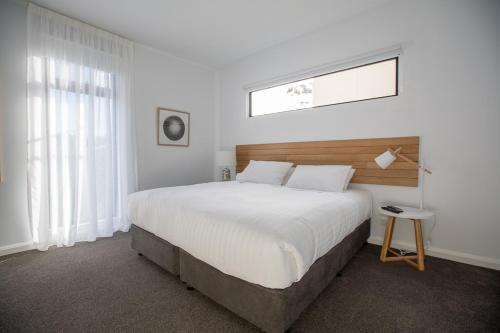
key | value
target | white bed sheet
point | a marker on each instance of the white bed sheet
(264, 234)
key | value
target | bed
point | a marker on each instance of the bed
(263, 251)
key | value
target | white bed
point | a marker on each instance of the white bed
(264, 234)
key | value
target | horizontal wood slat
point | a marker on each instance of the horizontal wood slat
(355, 165)
(330, 158)
(410, 140)
(386, 181)
(359, 153)
(324, 150)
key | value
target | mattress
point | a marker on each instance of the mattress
(264, 234)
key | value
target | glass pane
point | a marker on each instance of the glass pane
(354, 84)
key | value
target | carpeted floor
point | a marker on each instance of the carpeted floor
(104, 286)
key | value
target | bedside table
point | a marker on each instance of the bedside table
(411, 213)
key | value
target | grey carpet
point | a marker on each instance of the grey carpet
(105, 287)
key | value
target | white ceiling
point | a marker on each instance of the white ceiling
(211, 32)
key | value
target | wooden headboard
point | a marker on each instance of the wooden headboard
(359, 153)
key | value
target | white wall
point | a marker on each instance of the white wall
(451, 79)
(160, 80)
(14, 225)
(451, 83)
(164, 81)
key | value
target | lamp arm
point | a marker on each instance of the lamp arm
(398, 154)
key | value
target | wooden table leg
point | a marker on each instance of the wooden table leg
(387, 238)
(419, 244)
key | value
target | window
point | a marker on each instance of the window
(374, 80)
(81, 158)
(81, 113)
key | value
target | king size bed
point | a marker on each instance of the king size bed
(264, 251)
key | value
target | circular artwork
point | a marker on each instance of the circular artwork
(174, 128)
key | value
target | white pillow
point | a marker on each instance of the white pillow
(348, 180)
(288, 175)
(265, 172)
(330, 178)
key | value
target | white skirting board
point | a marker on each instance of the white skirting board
(465, 258)
(14, 248)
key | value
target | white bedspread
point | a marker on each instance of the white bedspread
(265, 234)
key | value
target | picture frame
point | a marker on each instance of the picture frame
(172, 127)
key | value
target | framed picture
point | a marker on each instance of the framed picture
(172, 127)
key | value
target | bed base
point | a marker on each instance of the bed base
(155, 249)
(272, 310)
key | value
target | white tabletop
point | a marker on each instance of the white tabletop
(408, 212)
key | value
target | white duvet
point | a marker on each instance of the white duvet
(264, 234)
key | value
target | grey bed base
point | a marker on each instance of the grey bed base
(156, 249)
(272, 310)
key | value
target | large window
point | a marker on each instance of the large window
(81, 163)
(374, 80)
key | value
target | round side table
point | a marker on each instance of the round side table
(411, 213)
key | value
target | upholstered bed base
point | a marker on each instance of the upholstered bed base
(272, 310)
(155, 249)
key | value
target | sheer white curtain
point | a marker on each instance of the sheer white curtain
(81, 161)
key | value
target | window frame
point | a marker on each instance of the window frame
(396, 58)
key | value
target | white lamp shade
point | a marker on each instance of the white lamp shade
(226, 158)
(385, 159)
